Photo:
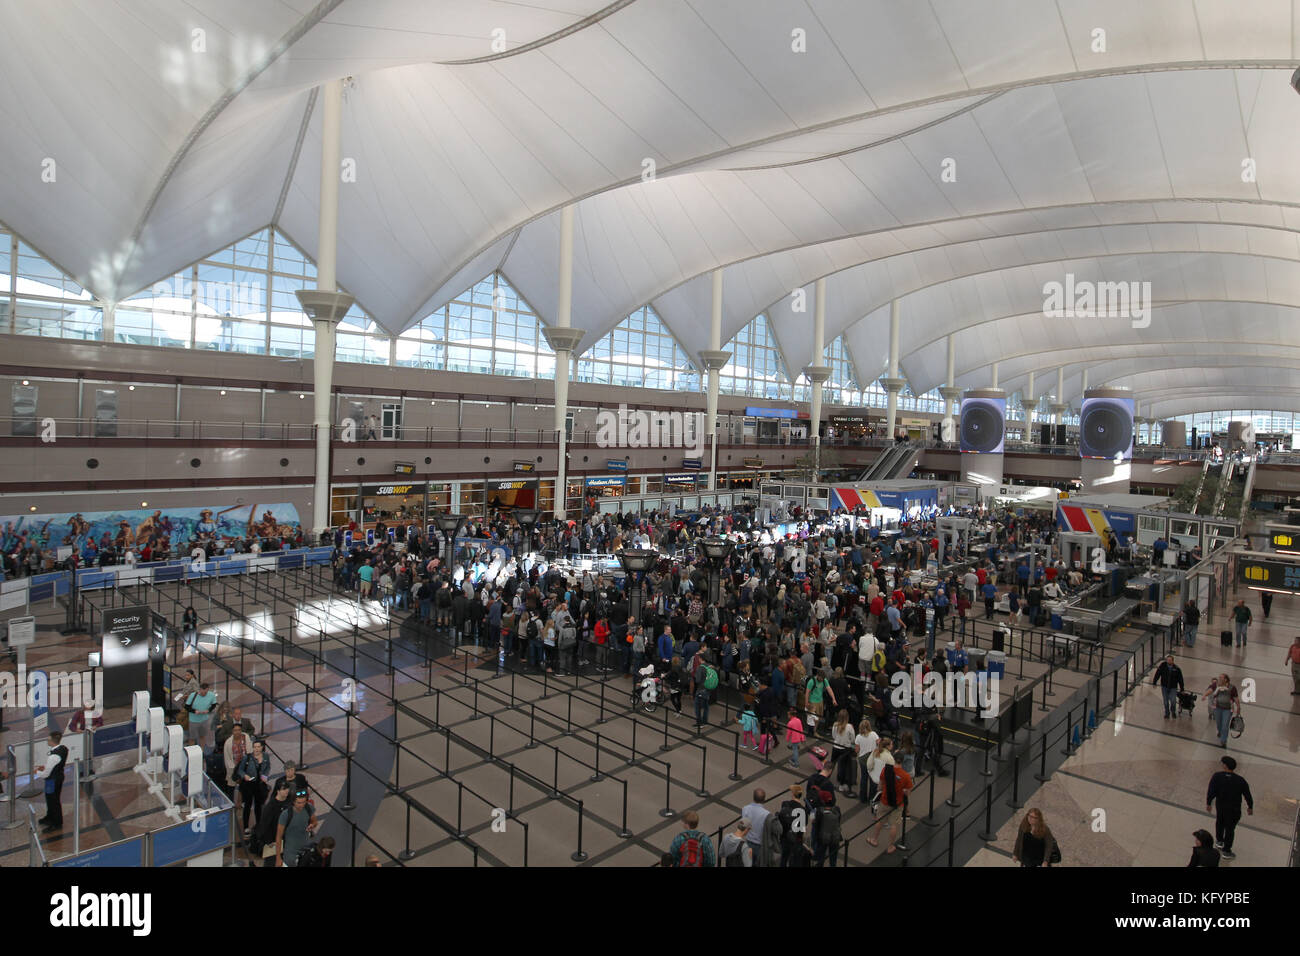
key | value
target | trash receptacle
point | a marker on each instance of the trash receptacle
(997, 663)
(1000, 639)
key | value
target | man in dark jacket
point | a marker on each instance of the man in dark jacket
(1170, 678)
(1228, 789)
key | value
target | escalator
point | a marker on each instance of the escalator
(1247, 490)
(894, 462)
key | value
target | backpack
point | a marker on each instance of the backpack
(309, 856)
(691, 852)
(736, 857)
(531, 630)
(820, 796)
(827, 826)
(878, 660)
(710, 678)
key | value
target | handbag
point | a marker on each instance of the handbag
(1055, 856)
(1237, 725)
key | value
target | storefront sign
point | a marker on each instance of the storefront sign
(403, 468)
(752, 462)
(752, 411)
(389, 489)
(693, 464)
(688, 478)
(609, 481)
(511, 484)
(613, 464)
(525, 466)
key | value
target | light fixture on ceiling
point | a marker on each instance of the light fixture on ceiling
(144, 504)
(31, 507)
(130, 388)
(25, 382)
(223, 391)
(302, 396)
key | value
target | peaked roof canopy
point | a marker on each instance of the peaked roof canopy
(956, 157)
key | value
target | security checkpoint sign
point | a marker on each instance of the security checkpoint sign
(22, 631)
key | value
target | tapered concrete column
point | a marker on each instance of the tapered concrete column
(1058, 409)
(1084, 387)
(563, 339)
(892, 383)
(325, 305)
(951, 394)
(714, 360)
(817, 373)
(1031, 404)
(995, 376)
(1060, 386)
(951, 400)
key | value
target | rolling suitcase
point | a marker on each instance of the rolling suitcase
(1225, 638)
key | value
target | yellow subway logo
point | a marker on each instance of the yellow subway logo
(1256, 573)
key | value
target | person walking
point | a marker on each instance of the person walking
(1170, 678)
(1191, 621)
(1203, 851)
(1241, 619)
(1227, 703)
(1228, 789)
(1293, 658)
(1266, 602)
(1035, 845)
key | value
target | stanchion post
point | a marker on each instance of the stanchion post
(988, 836)
(735, 760)
(578, 855)
(668, 812)
(952, 801)
(1041, 776)
(1015, 802)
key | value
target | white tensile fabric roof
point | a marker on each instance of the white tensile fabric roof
(1169, 158)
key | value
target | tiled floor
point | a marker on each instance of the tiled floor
(1148, 775)
(1134, 793)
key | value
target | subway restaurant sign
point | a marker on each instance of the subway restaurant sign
(1269, 575)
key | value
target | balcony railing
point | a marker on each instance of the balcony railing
(58, 429)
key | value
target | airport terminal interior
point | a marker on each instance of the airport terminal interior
(650, 433)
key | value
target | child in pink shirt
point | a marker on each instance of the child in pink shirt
(794, 736)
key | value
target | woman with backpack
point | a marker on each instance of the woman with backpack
(895, 785)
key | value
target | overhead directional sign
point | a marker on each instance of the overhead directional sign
(1267, 575)
(1285, 541)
